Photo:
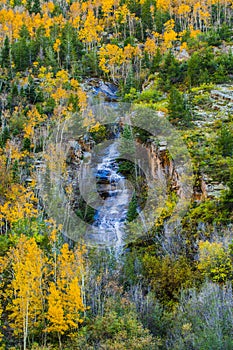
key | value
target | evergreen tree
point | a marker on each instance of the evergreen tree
(20, 50)
(220, 76)
(194, 64)
(132, 210)
(201, 67)
(225, 141)
(156, 61)
(178, 110)
(71, 48)
(130, 81)
(127, 147)
(5, 54)
(228, 199)
(127, 152)
(169, 73)
(146, 14)
(4, 136)
(36, 7)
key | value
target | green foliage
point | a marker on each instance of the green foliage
(228, 195)
(35, 7)
(214, 261)
(16, 123)
(225, 141)
(213, 38)
(118, 328)
(202, 99)
(130, 82)
(200, 67)
(149, 96)
(85, 212)
(220, 75)
(72, 49)
(225, 32)
(132, 210)
(178, 109)
(168, 276)
(205, 67)
(146, 15)
(36, 228)
(206, 212)
(5, 243)
(156, 61)
(5, 54)
(89, 64)
(170, 72)
(127, 146)
(27, 144)
(4, 136)
(32, 92)
(160, 18)
(15, 171)
(99, 134)
(131, 96)
(24, 51)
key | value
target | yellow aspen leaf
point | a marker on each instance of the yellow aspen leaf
(27, 264)
(57, 45)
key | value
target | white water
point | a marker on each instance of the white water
(110, 217)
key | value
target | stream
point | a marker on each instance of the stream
(116, 191)
(108, 228)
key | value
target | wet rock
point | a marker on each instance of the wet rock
(106, 90)
(103, 176)
(109, 90)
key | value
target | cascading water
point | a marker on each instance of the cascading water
(110, 217)
(116, 191)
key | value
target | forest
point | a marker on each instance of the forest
(162, 285)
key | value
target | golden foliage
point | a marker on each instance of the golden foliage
(214, 261)
(64, 300)
(28, 301)
(28, 266)
(19, 204)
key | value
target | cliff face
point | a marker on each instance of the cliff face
(162, 166)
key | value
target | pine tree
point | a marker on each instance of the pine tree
(36, 7)
(127, 147)
(178, 111)
(169, 72)
(132, 210)
(156, 61)
(228, 198)
(225, 141)
(5, 54)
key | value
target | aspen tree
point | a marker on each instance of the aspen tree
(27, 264)
(64, 300)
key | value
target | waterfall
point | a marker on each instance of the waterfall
(116, 192)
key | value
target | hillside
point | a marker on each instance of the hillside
(116, 174)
